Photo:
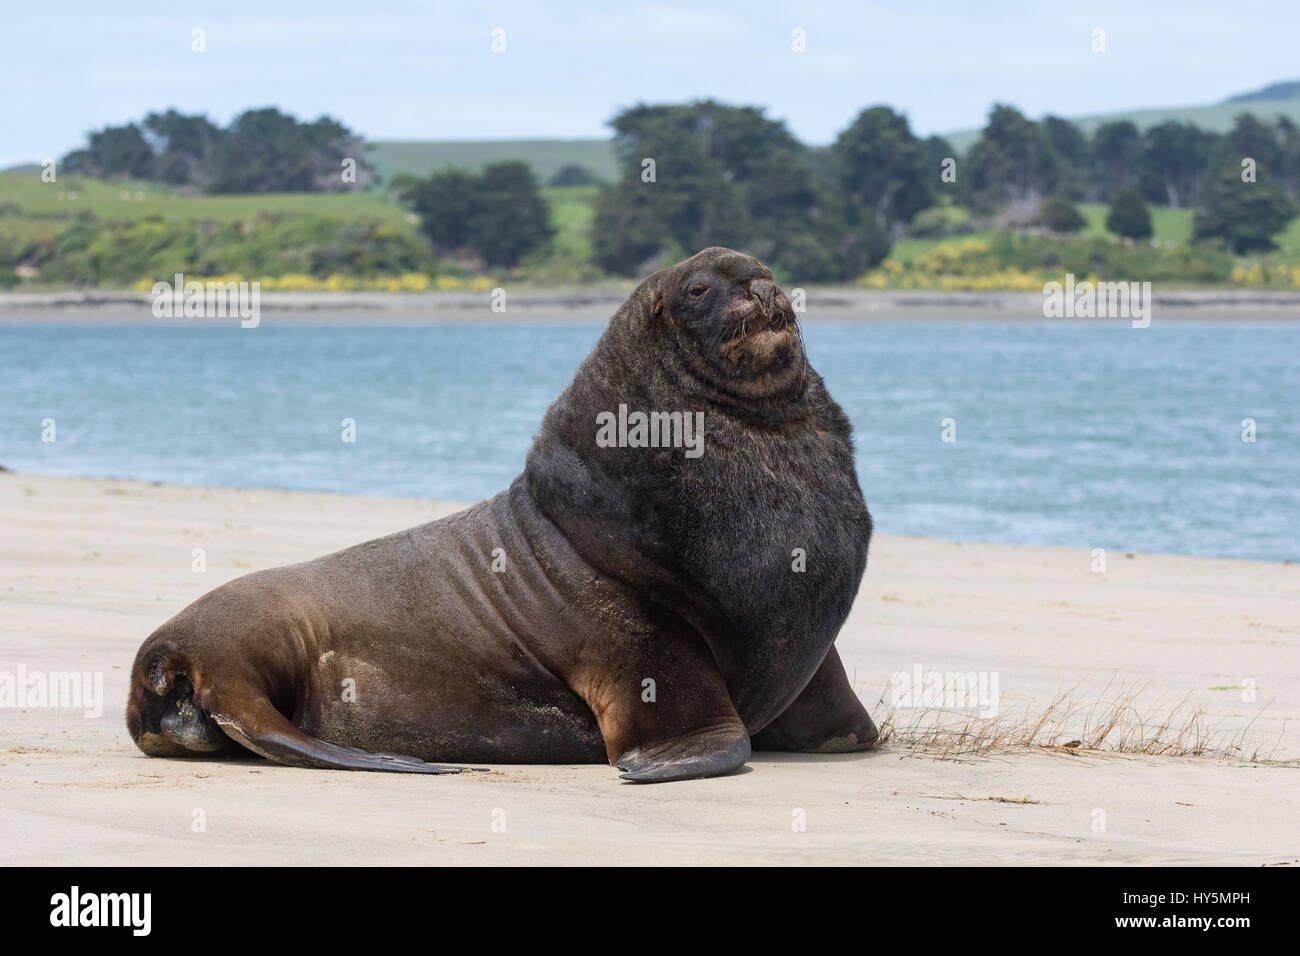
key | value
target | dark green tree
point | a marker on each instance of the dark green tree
(1115, 148)
(629, 236)
(883, 168)
(1172, 160)
(269, 151)
(183, 146)
(937, 149)
(498, 217)
(1128, 216)
(1252, 138)
(1245, 215)
(1060, 215)
(705, 173)
(1074, 153)
(572, 174)
(1288, 134)
(446, 203)
(1012, 162)
(512, 218)
(114, 152)
(262, 151)
(678, 185)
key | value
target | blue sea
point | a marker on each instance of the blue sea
(1084, 434)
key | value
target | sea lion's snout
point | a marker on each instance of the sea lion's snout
(764, 290)
(770, 306)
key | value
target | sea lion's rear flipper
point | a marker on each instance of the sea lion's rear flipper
(261, 728)
(826, 717)
(665, 713)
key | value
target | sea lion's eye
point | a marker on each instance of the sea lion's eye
(698, 290)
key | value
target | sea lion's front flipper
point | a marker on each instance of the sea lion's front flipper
(825, 718)
(255, 724)
(704, 754)
(664, 710)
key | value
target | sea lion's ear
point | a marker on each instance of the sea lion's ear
(656, 303)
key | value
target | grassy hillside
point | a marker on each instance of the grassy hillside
(572, 211)
(545, 156)
(1216, 117)
(31, 208)
(1172, 227)
(133, 230)
(281, 231)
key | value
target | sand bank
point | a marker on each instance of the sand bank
(89, 567)
(599, 303)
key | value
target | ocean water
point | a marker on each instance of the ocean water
(1083, 434)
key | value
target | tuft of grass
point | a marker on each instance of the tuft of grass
(1112, 724)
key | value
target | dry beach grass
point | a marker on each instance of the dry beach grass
(1115, 723)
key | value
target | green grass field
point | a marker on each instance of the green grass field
(572, 212)
(1289, 241)
(1170, 226)
(32, 210)
(545, 156)
(44, 208)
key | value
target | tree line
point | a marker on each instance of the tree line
(260, 151)
(707, 173)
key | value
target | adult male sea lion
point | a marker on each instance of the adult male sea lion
(628, 598)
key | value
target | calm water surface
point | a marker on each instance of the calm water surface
(1068, 433)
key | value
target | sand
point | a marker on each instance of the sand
(89, 567)
(597, 303)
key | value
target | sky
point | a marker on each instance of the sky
(427, 70)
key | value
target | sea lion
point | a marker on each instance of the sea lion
(642, 593)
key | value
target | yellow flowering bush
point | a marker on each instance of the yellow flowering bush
(300, 282)
(967, 265)
(1257, 275)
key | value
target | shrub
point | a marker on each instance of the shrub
(1058, 214)
(1129, 216)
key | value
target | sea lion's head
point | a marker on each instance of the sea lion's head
(731, 321)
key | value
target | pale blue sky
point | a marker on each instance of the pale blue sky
(425, 70)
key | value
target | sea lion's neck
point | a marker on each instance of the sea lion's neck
(709, 536)
(587, 461)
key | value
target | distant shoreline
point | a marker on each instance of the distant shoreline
(596, 305)
(137, 485)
